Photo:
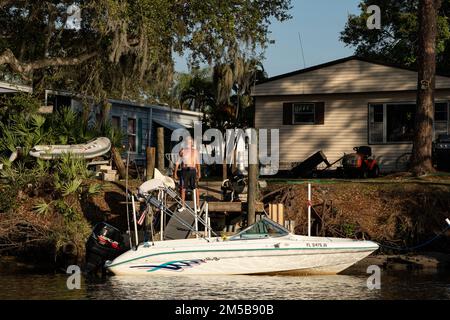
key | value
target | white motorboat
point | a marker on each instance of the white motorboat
(89, 150)
(262, 248)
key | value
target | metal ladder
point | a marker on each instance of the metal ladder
(181, 224)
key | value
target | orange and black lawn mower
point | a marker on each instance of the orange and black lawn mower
(360, 164)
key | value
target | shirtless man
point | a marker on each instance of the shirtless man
(190, 170)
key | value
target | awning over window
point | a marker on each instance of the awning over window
(169, 124)
(6, 90)
(6, 87)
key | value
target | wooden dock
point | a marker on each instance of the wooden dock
(211, 192)
(226, 207)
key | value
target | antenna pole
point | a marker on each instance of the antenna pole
(301, 48)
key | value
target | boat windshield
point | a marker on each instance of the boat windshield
(264, 228)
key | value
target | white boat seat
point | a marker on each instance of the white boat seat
(150, 185)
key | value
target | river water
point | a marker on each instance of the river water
(394, 285)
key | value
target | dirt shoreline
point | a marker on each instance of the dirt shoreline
(402, 215)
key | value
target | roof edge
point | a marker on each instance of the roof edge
(339, 61)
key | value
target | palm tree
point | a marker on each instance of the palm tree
(195, 90)
(234, 82)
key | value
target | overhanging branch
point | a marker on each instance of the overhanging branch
(4, 3)
(25, 68)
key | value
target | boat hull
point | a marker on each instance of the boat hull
(241, 257)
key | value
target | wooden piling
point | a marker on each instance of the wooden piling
(280, 209)
(151, 154)
(117, 159)
(160, 148)
(224, 170)
(252, 180)
(274, 210)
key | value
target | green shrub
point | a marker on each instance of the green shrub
(21, 103)
(349, 230)
(8, 198)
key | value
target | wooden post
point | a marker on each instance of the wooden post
(150, 153)
(160, 148)
(252, 180)
(224, 170)
(274, 212)
(117, 159)
(280, 214)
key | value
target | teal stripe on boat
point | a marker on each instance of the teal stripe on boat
(237, 250)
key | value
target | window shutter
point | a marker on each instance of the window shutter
(287, 114)
(320, 113)
(139, 136)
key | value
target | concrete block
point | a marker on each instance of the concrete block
(104, 168)
(109, 177)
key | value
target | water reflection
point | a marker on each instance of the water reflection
(399, 285)
(236, 287)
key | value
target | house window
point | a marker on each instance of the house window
(115, 122)
(395, 122)
(303, 113)
(58, 101)
(376, 123)
(131, 132)
(441, 125)
(378, 113)
(400, 122)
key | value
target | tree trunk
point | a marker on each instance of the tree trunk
(106, 110)
(421, 161)
(119, 162)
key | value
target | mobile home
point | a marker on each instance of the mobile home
(346, 103)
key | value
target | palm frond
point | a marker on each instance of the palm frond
(71, 187)
(94, 189)
(43, 207)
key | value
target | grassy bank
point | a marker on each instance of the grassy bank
(47, 217)
(43, 213)
(46, 224)
(44, 204)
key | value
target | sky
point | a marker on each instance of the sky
(319, 23)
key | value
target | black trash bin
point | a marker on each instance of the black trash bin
(441, 152)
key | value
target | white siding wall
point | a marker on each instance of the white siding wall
(346, 122)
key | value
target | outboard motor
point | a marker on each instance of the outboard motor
(232, 188)
(104, 243)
